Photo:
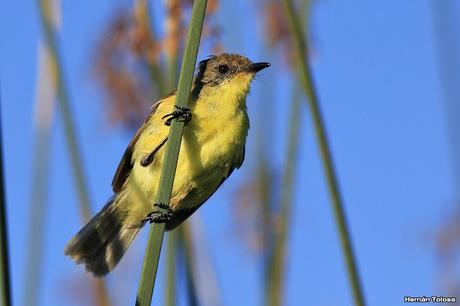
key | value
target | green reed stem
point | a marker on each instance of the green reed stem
(152, 254)
(155, 70)
(186, 244)
(265, 184)
(46, 18)
(208, 290)
(172, 71)
(278, 256)
(4, 257)
(170, 288)
(277, 264)
(306, 80)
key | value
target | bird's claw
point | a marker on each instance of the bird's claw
(181, 114)
(163, 206)
(159, 216)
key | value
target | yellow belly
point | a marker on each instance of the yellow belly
(213, 142)
(210, 146)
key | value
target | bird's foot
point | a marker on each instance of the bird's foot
(163, 206)
(180, 113)
(159, 216)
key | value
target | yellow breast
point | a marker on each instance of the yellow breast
(213, 141)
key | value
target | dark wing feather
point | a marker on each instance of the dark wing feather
(237, 165)
(126, 164)
(179, 217)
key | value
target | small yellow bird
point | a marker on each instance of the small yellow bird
(212, 147)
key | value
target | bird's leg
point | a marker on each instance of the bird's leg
(163, 206)
(180, 113)
(148, 159)
(159, 216)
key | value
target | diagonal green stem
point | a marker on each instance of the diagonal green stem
(173, 241)
(306, 80)
(277, 260)
(152, 254)
(4, 258)
(277, 263)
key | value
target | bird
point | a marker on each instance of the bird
(212, 147)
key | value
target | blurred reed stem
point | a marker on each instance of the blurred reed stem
(264, 179)
(208, 288)
(185, 241)
(447, 34)
(172, 72)
(278, 257)
(46, 18)
(447, 44)
(172, 40)
(265, 184)
(277, 265)
(265, 196)
(38, 202)
(142, 14)
(4, 257)
(170, 288)
(152, 254)
(306, 80)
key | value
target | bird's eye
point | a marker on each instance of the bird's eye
(223, 69)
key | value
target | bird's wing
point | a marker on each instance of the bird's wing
(126, 162)
(236, 165)
(182, 214)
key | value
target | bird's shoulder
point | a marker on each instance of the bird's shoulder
(156, 112)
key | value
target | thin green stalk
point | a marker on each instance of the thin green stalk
(46, 18)
(170, 288)
(172, 71)
(278, 254)
(172, 40)
(278, 257)
(186, 243)
(156, 74)
(152, 254)
(4, 258)
(448, 48)
(306, 80)
(207, 285)
(142, 8)
(264, 187)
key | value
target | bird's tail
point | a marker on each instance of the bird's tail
(101, 243)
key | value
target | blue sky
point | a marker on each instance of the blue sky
(378, 79)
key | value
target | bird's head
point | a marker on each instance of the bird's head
(226, 74)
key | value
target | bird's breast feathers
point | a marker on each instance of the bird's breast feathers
(212, 145)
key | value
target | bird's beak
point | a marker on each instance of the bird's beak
(256, 67)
